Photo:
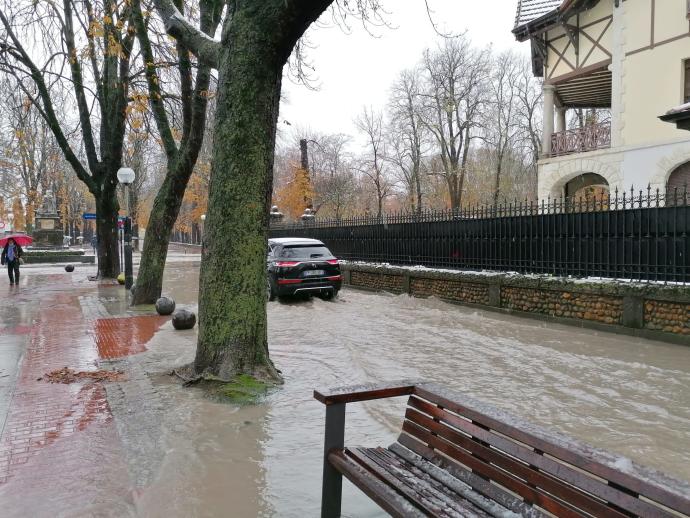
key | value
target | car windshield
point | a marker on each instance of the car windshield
(304, 252)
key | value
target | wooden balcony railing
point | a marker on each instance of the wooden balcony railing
(589, 138)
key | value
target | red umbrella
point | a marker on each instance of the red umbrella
(20, 239)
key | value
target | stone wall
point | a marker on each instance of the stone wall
(377, 281)
(584, 306)
(666, 316)
(450, 289)
(655, 311)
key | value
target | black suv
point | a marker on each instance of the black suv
(301, 266)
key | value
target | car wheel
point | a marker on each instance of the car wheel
(328, 295)
(270, 292)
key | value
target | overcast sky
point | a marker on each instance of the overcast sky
(356, 69)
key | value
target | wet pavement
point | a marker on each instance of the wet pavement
(145, 446)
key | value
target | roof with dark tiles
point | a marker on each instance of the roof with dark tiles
(530, 10)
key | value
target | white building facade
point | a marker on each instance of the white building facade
(629, 56)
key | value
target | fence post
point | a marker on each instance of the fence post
(633, 311)
(495, 295)
(406, 283)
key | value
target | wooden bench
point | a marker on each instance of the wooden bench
(458, 457)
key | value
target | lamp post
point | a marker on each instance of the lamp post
(126, 176)
(203, 220)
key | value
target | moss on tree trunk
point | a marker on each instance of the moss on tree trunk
(256, 41)
(232, 302)
(166, 207)
(181, 157)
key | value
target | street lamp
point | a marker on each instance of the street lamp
(203, 219)
(126, 176)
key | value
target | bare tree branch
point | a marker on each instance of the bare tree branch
(18, 53)
(205, 48)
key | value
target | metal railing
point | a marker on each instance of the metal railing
(589, 138)
(630, 235)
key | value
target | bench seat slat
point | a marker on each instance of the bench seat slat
(511, 483)
(448, 504)
(475, 489)
(546, 464)
(456, 499)
(432, 501)
(386, 497)
(482, 486)
(650, 483)
(542, 481)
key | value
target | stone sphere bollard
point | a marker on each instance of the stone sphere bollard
(183, 319)
(165, 306)
(69, 268)
(121, 278)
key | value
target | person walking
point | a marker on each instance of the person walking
(11, 254)
(94, 243)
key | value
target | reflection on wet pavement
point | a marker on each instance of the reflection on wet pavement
(149, 447)
(118, 337)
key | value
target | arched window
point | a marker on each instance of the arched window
(586, 185)
(587, 192)
(678, 185)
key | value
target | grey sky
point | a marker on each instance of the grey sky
(357, 69)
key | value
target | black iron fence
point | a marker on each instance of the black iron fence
(632, 235)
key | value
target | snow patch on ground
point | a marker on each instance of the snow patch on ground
(492, 273)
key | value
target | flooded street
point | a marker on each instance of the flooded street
(628, 395)
(161, 450)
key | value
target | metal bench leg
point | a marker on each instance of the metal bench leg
(332, 489)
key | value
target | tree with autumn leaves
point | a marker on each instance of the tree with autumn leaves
(297, 194)
(114, 87)
(19, 221)
(195, 201)
(77, 53)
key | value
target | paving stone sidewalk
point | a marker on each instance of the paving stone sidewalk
(61, 452)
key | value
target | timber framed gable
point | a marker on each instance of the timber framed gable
(577, 45)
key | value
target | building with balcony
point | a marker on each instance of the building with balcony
(631, 57)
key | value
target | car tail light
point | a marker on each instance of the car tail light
(332, 261)
(289, 281)
(335, 278)
(287, 263)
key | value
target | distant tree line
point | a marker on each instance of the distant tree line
(461, 127)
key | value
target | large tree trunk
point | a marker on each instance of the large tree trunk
(232, 293)
(454, 191)
(106, 230)
(497, 180)
(418, 187)
(165, 209)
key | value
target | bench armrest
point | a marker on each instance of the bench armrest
(366, 392)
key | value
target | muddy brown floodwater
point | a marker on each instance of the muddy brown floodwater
(628, 395)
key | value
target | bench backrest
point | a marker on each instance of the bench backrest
(554, 473)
